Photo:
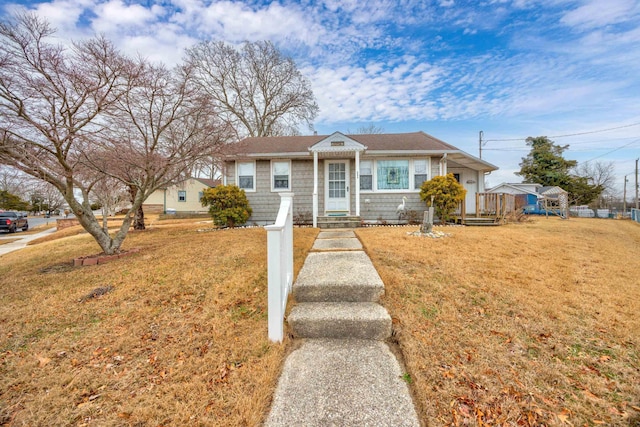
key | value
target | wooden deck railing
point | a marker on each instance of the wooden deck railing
(497, 205)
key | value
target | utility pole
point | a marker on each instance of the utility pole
(624, 198)
(637, 183)
(480, 143)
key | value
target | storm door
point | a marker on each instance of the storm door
(337, 187)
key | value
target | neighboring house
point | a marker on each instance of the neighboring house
(182, 197)
(364, 176)
(526, 194)
(534, 198)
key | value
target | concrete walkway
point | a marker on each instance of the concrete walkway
(343, 373)
(22, 241)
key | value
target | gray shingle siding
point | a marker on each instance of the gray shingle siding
(374, 206)
(265, 202)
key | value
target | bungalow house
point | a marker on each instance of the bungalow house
(535, 198)
(182, 197)
(365, 177)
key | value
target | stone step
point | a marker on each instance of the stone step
(338, 277)
(355, 320)
(325, 222)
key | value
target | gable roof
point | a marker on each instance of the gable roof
(388, 144)
(374, 142)
(551, 190)
(521, 187)
(337, 143)
(209, 182)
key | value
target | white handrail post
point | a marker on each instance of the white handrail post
(279, 266)
(288, 236)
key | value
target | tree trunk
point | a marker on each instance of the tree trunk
(138, 219)
(105, 224)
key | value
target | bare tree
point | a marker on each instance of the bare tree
(12, 181)
(600, 174)
(73, 116)
(257, 90)
(158, 130)
(369, 129)
(110, 194)
(46, 194)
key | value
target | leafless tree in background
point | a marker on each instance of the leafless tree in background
(599, 173)
(256, 89)
(13, 181)
(368, 130)
(110, 193)
(73, 116)
(47, 194)
(158, 130)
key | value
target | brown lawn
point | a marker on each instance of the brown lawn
(5, 240)
(527, 324)
(178, 338)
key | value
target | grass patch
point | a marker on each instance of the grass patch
(524, 324)
(173, 335)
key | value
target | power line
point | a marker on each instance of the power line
(569, 134)
(615, 149)
(573, 150)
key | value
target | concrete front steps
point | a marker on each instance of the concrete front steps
(337, 293)
(342, 373)
(338, 221)
(346, 320)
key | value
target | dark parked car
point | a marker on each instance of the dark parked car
(12, 221)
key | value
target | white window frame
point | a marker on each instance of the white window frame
(273, 177)
(413, 171)
(180, 192)
(373, 175)
(412, 174)
(249, 190)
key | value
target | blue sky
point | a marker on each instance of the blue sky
(451, 68)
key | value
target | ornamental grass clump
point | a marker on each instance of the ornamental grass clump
(228, 205)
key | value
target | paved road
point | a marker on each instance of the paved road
(23, 239)
(35, 221)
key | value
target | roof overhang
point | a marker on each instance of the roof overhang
(468, 161)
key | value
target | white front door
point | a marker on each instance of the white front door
(336, 187)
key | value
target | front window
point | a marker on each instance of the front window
(182, 196)
(247, 175)
(419, 173)
(392, 174)
(281, 173)
(366, 175)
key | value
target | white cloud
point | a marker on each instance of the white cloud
(63, 15)
(114, 15)
(396, 90)
(598, 13)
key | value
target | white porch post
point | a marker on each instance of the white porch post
(315, 189)
(357, 183)
(443, 165)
